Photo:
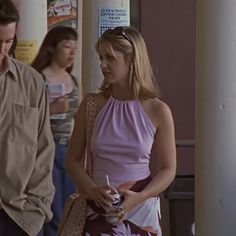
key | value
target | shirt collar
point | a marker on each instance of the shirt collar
(10, 67)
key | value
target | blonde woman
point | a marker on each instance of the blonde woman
(132, 128)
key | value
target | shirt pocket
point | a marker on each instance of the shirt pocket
(24, 124)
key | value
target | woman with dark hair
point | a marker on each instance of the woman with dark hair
(54, 61)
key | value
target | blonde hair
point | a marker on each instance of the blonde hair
(129, 42)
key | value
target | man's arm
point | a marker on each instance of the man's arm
(40, 186)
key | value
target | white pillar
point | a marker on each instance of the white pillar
(77, 68)
(32, 28)
(91, 74)
(216, 118)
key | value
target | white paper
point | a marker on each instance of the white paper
(111, 17)
(55, 91)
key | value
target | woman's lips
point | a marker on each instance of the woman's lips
(106, 73)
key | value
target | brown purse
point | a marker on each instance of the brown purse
(74, 214)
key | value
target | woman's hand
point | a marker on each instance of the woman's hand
(131, 200)
(59, 105)
(102, 196)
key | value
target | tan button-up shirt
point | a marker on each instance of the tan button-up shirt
(26, 147)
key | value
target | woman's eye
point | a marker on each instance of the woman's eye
(111, 58)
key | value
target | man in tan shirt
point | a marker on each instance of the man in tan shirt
(26, 144)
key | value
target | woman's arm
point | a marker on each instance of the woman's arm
(163, 152)
(76, 151)
(80, 88)
(163, 155)
(74, 165)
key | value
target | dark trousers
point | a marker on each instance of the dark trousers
(8, 227)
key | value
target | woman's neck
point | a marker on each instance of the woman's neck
(56, 74)
(121, 93)
(54, 69)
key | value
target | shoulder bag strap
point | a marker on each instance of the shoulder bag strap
(91, 111)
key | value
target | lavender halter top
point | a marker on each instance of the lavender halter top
(122, 140)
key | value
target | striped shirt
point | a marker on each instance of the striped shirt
(61, 128)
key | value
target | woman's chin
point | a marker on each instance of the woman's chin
(109, 80)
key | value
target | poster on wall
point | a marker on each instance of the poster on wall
(26, 50)
(62, 12)
(112, 17)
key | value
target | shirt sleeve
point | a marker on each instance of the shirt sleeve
(40, 185)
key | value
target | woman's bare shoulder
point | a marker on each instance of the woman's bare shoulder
(157, 110)
(158, 105)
